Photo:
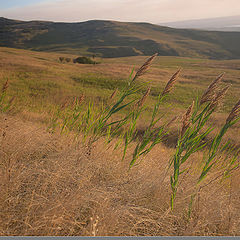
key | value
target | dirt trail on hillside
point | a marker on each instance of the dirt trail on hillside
(52, 186)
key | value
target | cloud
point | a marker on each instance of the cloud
(154, 11)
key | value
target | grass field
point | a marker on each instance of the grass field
(53, 185)
(34, 73)
(40, 81)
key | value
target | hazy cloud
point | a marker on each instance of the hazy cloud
(155, 11)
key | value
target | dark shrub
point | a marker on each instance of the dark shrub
(68, 60)
(61, 59)
(65, 59)
(84, 60)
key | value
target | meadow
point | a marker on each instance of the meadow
(77, 161)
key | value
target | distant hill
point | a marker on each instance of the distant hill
(220, 24)
(118, 39)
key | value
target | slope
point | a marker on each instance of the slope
(117, 39)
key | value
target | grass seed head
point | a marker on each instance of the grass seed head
(141, 102)
(5, 86)
(210, 93)
(234, 113)
(114, 94)
(186, 119)
(12, 100)
(171, 83)
(219, 97)
(144, 67)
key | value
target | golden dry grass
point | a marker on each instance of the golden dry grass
(50, 186)
(39, 81)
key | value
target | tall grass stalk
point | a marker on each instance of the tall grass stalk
(192, 134)
(104, 123)
(153, 135)
(97, 122)
(212, 159)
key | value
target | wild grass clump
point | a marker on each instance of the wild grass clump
(154, 133)
(53, 187)
(118, 116)
(104, 121)
(84, 60)
(194, 132)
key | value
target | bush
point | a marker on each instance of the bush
(84, 60)
(64, 59)
(61, 59)
(68, 60)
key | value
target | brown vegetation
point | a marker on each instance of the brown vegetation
(52, 187)
(55, 184)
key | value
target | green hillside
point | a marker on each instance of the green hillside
(118, 39)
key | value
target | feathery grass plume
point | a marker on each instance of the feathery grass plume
(81, 99)
(210, 93)
(12, 100)
(102, 123)
(190, 140)
(114, 93)
(234, 113)
(144, 97)
(171, 83)
(153, 135)
(144, 67)
(219, 96)
(5, 86)
(216, 142)
(186, 119)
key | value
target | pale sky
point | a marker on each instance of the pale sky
(153, 11)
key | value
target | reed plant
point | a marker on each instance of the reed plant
(212, 159)
(104, 120)
(154, 134)
(194, 132)
(96, 122)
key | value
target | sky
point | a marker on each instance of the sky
(153, 11)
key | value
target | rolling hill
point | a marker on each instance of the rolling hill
(231, 23)
(118, 39)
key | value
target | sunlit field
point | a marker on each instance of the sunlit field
(131, 146)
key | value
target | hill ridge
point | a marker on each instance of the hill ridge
(117, 39)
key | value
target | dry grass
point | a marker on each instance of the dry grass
(186, 119)
(210, 93)
(50, 186)
(234, 113)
